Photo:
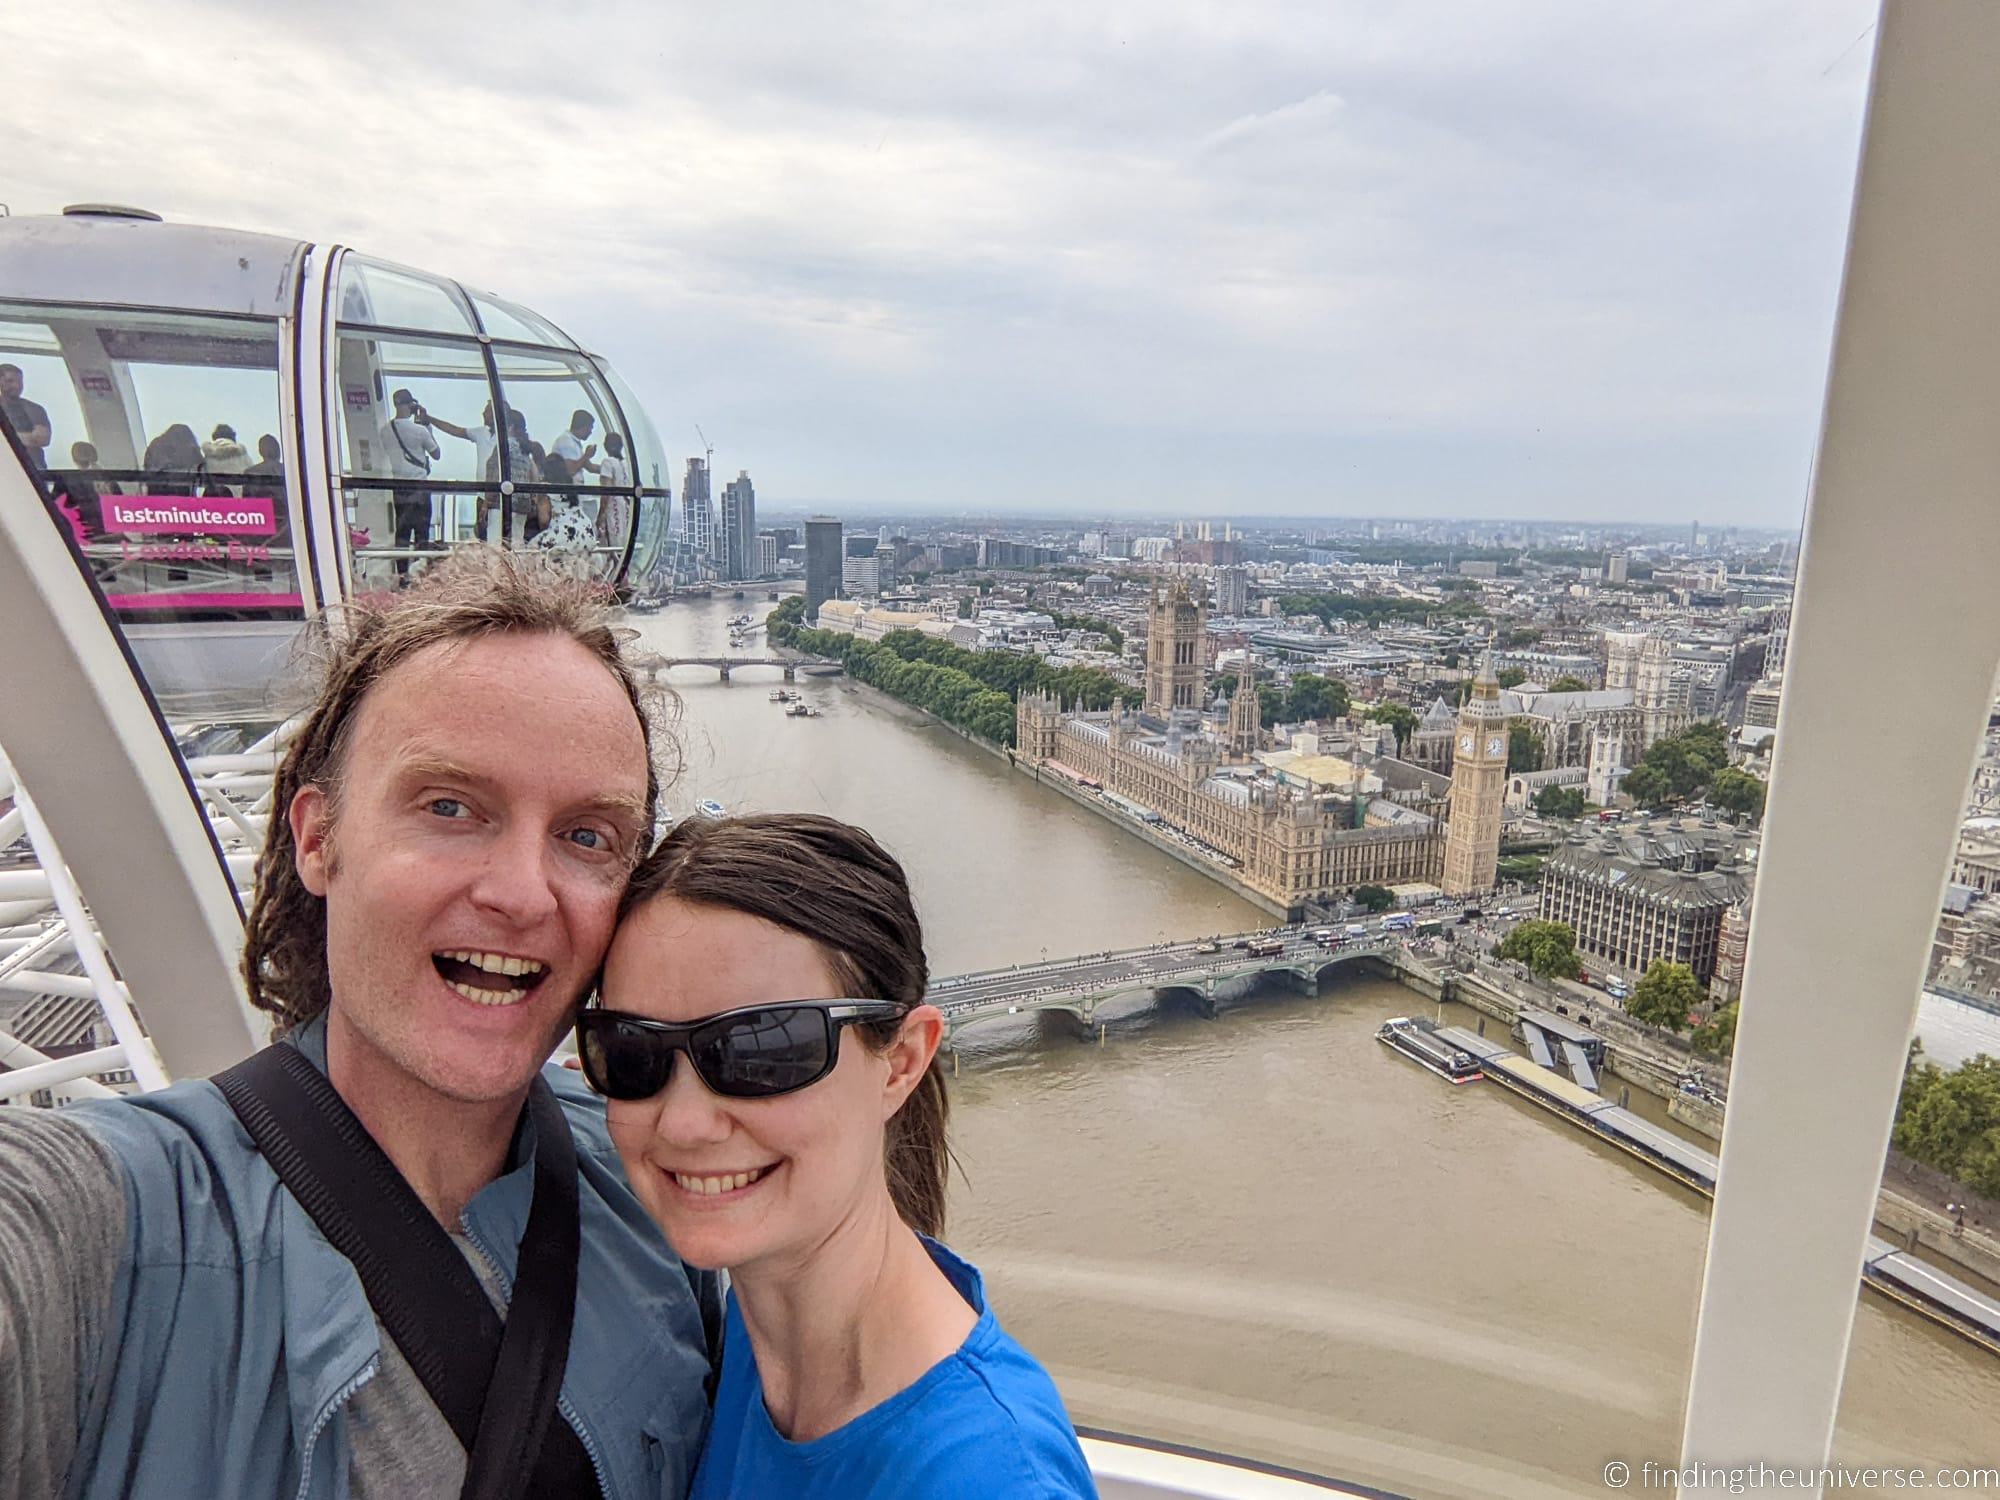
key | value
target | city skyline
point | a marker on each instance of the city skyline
(1311, 260)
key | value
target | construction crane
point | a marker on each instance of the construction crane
(707, 449)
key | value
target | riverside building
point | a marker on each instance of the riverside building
(1295, 825)
(1658, 889)
(1290, 835)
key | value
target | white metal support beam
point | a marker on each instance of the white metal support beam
(83, 739)
(1901, 542)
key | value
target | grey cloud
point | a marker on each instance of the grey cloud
(1554, 257)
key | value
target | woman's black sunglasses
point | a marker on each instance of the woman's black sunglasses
(757, 1052)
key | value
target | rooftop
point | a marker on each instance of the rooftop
(1677, 862)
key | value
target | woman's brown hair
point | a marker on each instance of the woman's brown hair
(471, 595)
(830, 882)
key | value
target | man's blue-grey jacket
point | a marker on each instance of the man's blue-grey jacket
(237, 1335)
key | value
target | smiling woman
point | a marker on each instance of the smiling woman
(803, 1148)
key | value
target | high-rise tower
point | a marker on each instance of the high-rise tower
(1478, 782)
(822, 562)
(1176, 630)
(738, 546)
(697, 510)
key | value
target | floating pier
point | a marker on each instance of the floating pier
(1889, 1270)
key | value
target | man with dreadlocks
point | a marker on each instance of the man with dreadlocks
(455, 823)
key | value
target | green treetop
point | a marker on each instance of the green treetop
(1549, 948)
(1664, 995)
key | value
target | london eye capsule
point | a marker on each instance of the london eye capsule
(240, 430)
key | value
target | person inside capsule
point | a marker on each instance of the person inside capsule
(770, 1063)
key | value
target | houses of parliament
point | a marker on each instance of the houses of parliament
(1305, 821)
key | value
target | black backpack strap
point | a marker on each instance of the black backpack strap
(496, 1384)
(519, 1415)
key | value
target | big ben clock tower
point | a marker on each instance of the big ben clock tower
(1478, 782)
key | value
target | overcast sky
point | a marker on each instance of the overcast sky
(1312, 257)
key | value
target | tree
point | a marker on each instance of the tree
(1524, 751)
(1717, 1036)
(971, 689)
(1675, 769)
(1270, 704)
(1664, 995)
(1565, 802)
(783, 623)
(1316, 698)
(1520, 869)
(1398, 718)
(1568, 684)
(1648, 785)
(1373, 610)
(1549, 948)
(1737, 791)
(1374, 897)
(965, 607)
(1510, 677)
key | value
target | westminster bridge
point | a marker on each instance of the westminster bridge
(1193, 971)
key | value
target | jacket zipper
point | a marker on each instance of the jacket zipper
(563, 1406)
(340, 1398)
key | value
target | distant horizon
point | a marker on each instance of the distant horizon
(1305, 257)
(1085, 520)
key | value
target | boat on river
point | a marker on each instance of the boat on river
(1418, 1040)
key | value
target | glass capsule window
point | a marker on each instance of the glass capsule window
(384, 296)
(508, 320)
(161, 437)
(461, 418)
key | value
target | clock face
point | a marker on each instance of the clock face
(1465, 743)
(1493, 744)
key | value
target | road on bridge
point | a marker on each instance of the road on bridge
(1161, 964)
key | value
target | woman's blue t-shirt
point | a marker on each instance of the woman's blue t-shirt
(985, 1422)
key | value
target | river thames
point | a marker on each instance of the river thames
(1264, 1233)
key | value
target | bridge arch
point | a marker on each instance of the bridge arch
(956, 1026)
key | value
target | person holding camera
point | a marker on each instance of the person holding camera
(411, 447)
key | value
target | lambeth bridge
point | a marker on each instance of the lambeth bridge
(652, 665)
(1191, 972)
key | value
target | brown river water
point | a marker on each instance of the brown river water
(1265, 1234)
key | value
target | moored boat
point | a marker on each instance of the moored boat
(1417, 1039)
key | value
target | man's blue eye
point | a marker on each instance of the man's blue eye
(447, 807)
(590, 833)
